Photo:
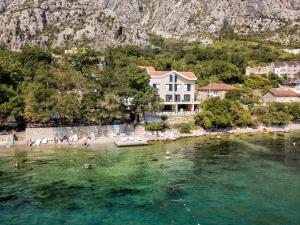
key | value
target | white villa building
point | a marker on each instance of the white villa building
(289, 69)
(214, 90)
(258, 70)
(177, 89)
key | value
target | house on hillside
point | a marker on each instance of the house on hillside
(293, 51)
(258, 70)
(177, 89)
(281, 95)
(289, 69)
(102, 63)
(214, 90)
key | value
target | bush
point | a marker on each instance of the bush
(164, 117)
(184, 128)
(274, 114)
(155, 126)
(294, 109)
(220, 114)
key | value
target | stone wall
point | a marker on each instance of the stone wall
(99, 131)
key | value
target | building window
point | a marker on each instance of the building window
(157, 86)
(169, 98)
(177, 87)
(187, 87)
(187, 98)
(175, 78)
(171, 78)
(177, 98)
(169, 87)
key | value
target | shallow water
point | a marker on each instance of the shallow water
(237, 180)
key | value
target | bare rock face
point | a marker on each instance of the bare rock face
(113, 22)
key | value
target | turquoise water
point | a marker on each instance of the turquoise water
(236, 180)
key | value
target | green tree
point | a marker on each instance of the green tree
(39, 103)
(136, 87)
(273, 114)
(218, 114)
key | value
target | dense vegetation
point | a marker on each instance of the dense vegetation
(184, 128)
(40, 85)
(219, 114)
(277, 114)
(226, 113)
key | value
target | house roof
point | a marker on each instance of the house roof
(293, 63)
(282, 64)
(217, 87)
(152, 72)
(284, 93)
(278, 64)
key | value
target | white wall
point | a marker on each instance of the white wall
(162, 81)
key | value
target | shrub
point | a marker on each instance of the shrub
(155, 126)
(164, 117)
(275, 114)
(184, 128)
(220, 114)
(295, 111)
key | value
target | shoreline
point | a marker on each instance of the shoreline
(169, 135)
(235, 131)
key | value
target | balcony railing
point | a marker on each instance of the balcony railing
(182, 100)
(179, 113)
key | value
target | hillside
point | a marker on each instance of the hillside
(113, 22)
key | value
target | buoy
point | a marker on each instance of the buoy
(294, 144)
(168, 153)
(168, 157)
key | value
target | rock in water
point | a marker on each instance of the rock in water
(87, 166)
(168, 157)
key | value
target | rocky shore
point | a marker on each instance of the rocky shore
(169, 135)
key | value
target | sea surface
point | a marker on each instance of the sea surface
(247, 179)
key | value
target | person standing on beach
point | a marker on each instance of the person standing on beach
(85, 139)
(14, 136)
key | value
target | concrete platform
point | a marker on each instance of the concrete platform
(128, 143)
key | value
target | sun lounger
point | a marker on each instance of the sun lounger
(38, 142)
(3, 142)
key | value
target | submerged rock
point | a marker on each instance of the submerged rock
(163, 166)
(87, 166)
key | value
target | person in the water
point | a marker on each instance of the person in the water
(17, 165)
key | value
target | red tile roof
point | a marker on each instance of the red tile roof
(283, 64)
(284, 93)
(293, 63)
(152, 72)
(217, 87)
(278, 64)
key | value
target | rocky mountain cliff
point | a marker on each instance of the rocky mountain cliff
(112, 22)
